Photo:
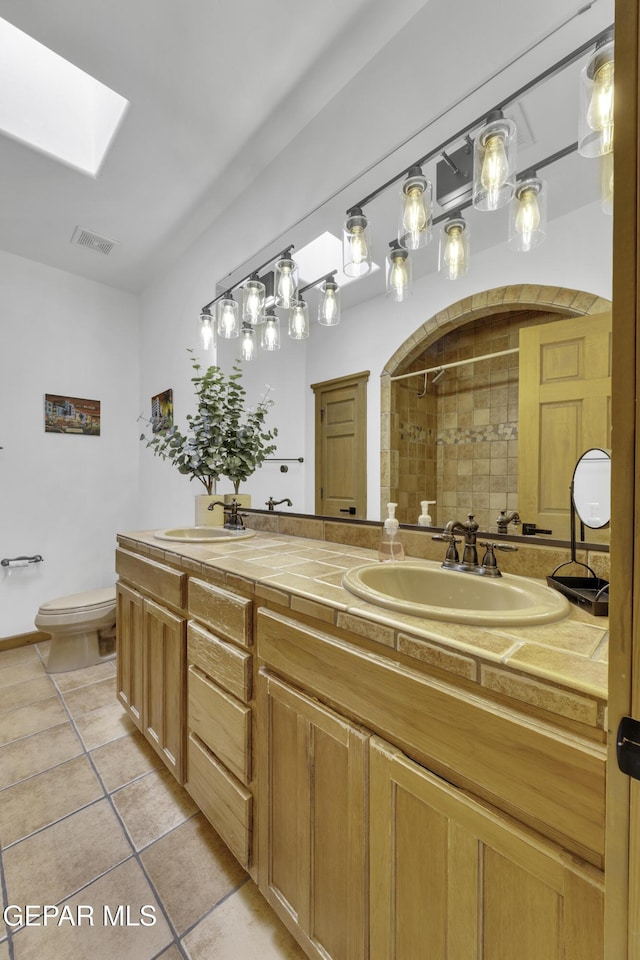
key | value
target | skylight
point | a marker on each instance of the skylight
(320, 257)
(53, 106)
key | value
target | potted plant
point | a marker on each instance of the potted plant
(223, 437)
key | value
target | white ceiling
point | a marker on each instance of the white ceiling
(213, 85)
(217, 88)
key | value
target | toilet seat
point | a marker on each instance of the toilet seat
(81, 627)
(90, 607)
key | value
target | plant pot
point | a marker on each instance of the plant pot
(206, 517)
(242, 499)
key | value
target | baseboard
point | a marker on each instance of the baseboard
(22, 640)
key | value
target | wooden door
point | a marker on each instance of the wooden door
(129, 645)
(564, 408)
(454, 879)
(312, 865)
(341, 446)
(164, 701)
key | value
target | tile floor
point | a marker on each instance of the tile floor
(91, 821)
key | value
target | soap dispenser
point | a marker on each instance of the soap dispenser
(391, 546)
(424, 520)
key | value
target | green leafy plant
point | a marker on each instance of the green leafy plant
(223, 438)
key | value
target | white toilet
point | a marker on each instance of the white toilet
(82, 628)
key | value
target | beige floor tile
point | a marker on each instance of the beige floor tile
(45, 798)
(58, 861)
(170, 861)
(244, 926)
(92, 697)
(152, 806)
(101, 726)
(123, 760)
(31, 755)
(19, 672)
(80, 678)
(20, 694)
(31, 719)
(43, 648)
(171, 954)
(125, 885)
(18, 655)
(4, 951)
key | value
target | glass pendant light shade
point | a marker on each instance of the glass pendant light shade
(595, 130)
(253, 296)
(248, 343)
(271, 333)
(356, 244)
(398, 273)
(329, 304)
(454, 249)
(494, 163)
(528, 215)
(206, 330)
(285, 285)
(414, 226)
(299, 321)
(227, 316)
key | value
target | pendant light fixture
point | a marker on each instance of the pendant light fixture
(227, 314)
(528, 214)
(299, 320)
(414, 227)
(253, 297)
(248, 342)
(285, 285)
(206, 333)
(453, 260)
(271, 332)
(398, 273)
(329, 303)
(494, 163)
(595, 134)
(356, 244)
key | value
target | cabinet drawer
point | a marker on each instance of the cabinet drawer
(163, 583)
(228, 615)
(225, 803)
(222, 661)
(222, 722)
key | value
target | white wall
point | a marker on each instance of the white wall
(62, 496)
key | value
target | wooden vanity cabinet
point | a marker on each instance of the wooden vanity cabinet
(151, 662)
(219, 713)
(447, 868)
(313, 821)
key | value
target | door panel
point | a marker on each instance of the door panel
(341, 446)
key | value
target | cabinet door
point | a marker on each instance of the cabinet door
(164, 702)
(456, 875)
(312, 821)
(129, 610)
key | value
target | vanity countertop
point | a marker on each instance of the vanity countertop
(558, 668)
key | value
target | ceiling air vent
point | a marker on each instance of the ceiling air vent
(93, 241)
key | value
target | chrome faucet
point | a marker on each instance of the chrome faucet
(271, 503)
(504, 519)
(232, 519)
(469, 563)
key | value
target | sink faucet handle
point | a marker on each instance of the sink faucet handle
(452, 551)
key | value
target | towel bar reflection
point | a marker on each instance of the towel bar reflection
(21, 561)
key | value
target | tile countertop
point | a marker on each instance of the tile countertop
(559, 668)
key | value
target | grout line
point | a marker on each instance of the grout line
(215, 906)
(5, 901)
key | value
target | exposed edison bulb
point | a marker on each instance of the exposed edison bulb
(206, 331)
(600, 112)
(253, 303)
(228, 319)
(299, 321)
(329, 310)
(358, 245)
(415, 213)
(528, 217)
(271, 334)
(286, 286)
(253, 300)
(248, 345)
(398, 281)
(454, 253)
(495, 166)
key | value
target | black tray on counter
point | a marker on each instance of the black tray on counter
(592, 593)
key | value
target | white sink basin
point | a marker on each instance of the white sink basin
(425, 589)
(202, 534)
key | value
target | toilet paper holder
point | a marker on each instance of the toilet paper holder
(21, 561)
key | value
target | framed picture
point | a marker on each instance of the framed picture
(64, 414)
(162, 412)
